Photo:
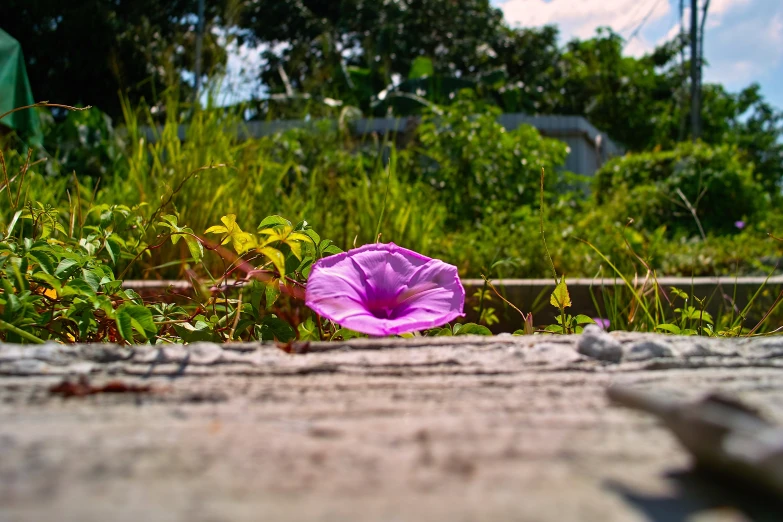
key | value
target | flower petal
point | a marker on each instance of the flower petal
(387, 268)
(335, 291)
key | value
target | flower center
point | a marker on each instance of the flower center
(385, 308)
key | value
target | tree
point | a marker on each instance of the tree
(89, 51)
(349, 48)
(644, 104)
(527, 56)
(620, 95)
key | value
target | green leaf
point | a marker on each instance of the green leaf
(201, 331)
(698, 315)
(136, 318)
(313, 235)
(132, 295)
(671, 328)
(583, 319)
(273, 221)
(170, 219)
(276, 257)
(12, 224)
(114, 245)
(273, 327)
(554, 328)
(7, 287)
(48, 279)
(473, 329)
(271, 292)
(65, 268)
(110, 287)
(257, 292)
(305, 267)
(45, 261)
(308, 331)
(195, 247)
(441, 332)
(79, 288)
(560, 298)
(240, 241)
(327, 247)
(86, 322)
(345, 334)
(92, 278)
(421, 67)
(106, 218)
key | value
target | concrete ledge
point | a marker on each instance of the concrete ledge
(462, 428)
(523, 293)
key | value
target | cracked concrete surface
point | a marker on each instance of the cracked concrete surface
(458, 429)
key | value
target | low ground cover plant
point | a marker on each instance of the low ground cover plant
(463, 190)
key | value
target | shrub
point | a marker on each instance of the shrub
(478, 167)
(657, 188)
(85, 142)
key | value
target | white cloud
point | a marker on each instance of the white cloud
(580, 18)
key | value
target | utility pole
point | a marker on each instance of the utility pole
(695, 72)
(682, 93)
(199, 43)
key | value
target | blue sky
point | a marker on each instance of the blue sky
(743, 40)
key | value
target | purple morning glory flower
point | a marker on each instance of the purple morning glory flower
(602, 323)
(383, 289)
(739, 224)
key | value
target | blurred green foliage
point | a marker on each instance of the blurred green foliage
(667, 188)
(475, 165)
(459, 187)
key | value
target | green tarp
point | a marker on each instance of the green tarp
(15, 91)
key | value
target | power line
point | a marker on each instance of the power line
(644, 21)
(637, 9)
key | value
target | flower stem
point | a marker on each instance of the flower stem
(21, 333)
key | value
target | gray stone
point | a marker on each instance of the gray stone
(545, 353)
(204, 353)
(647, 349)
(767, 348)
(598, 344)
(106, 353)
(22, 367)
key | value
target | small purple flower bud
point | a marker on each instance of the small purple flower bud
(739, 224)
(602, 323)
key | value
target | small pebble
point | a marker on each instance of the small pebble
(598, 344)
(648, 349)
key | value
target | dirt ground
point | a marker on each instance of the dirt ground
(457, 429)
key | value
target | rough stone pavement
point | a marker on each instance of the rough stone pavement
(459, 429)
